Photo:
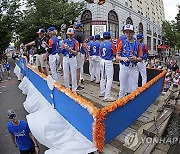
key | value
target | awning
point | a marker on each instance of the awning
(163, 46)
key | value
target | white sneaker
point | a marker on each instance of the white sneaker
(109, 99)
(101, 95)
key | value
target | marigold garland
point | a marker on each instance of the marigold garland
(99, 126)
(99, 115)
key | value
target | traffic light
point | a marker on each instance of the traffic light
(101, 2)
(90, 1)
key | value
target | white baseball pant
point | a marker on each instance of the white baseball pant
(31, 59)
(128, 79)
(107, 72)
(96, 68)
(70, 64)
(53, 63)
(142, 70)
(82, 67)
(90, 68)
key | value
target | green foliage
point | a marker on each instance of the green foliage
(172, 31)
(9, 17)
(46, 13)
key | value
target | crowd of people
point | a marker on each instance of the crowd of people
(130, 51)
(173, 71)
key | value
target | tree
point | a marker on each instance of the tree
(46, 13)
(169, 33)
(9, 17)
(178, 28)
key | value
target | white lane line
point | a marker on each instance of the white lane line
(2, 86)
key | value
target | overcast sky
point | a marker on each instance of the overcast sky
(171, 9)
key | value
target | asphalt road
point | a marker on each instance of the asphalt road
(11, 97)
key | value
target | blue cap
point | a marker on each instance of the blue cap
(106, 34)
(41, 30)
(78, 25)
(91, 37)
(139, 36)
(50, 29)
(97, 36)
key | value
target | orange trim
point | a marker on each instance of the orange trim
(81, 101)
(99, 122)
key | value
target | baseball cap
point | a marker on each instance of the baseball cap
(70, 31)
(78, 25)
(106, 35)
(91, 37)
(11, 113)
(50, 29)
(139, 36)
(128, 27)
(41, 30)
(97, 36)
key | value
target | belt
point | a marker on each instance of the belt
(69, 56)
(129, 64)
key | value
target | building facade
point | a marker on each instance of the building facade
(146, 15)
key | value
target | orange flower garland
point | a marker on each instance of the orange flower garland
(99, 115)
(99, 132)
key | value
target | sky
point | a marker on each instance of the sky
(171, 9)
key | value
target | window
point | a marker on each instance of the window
(140, 28)
(129, 21)
(113, 24)
(86, 19)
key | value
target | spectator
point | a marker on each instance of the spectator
(7, 65)
(167, 82)
(175, 66)
(21, 134)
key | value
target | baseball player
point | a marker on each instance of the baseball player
(96, 59)
(53, 49)
(91, 53)
(70, 48)
(129, 53)
(107, 50)
(82, 52)
(142, 65)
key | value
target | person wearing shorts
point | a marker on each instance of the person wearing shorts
(41, 52)
(79, 36)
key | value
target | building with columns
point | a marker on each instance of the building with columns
(146, 15)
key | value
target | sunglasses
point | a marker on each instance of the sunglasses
(12, 116)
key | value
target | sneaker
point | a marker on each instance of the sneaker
(118, 84)
(82, 81)
(101, 95)
(97, 82)
(109, 99)
(80, 88)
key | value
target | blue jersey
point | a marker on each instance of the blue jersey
(107, 49)
(7, 67)
(21, 134)
(90, 48)
(73, 44)
(128, 49)
(144, 52)
(54, 45)
(96, 48)
(82, 50)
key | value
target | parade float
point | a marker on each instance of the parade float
(99, 126)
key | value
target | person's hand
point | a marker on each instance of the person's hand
(43, 45)
(125, 59)
(37, 150)
(133, 58)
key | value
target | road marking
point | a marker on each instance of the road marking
(2, 86)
